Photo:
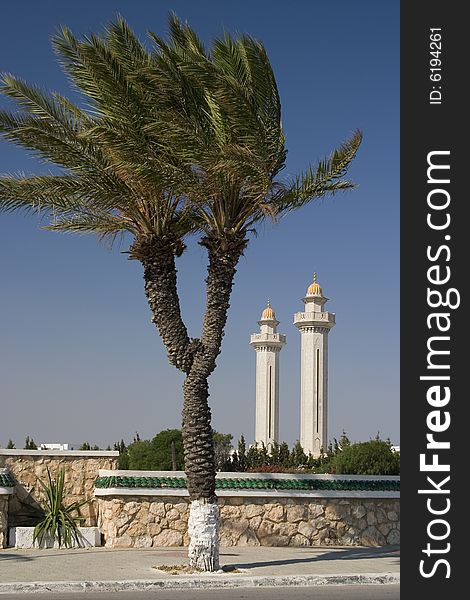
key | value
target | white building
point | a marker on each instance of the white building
(268, 343)
(54, 447)
(314, 325)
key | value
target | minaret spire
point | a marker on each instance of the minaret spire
(314, 325)
(268, 343)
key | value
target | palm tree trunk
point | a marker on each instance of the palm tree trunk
(196, 358)
(203, 524)
(157, 255)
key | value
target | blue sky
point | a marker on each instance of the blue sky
(79, 358)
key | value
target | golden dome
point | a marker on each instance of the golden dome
(315, 288)
(268, 312)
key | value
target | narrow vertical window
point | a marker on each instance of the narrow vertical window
(317, 376)
(269, 401)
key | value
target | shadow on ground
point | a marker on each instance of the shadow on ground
(6, 556)
(353, 554)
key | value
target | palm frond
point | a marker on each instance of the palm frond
(102, 225)
(52, 141)
(40, 193)
(175, 139)
(183, 37)
(323, 178)
(39, 103)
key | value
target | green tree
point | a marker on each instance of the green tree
(222, 450)
(123, 458)
(161, 450)
(10, 444)
(88, 446)
(284, 455)
(171, 141)
(140, 456)
(274, 454)
(330, 450)
(344, 441)
(298, 458)
(256, 456)
(29, 444)
(156, 454)
(241, 454)
(374, 457)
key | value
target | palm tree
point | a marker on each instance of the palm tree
(171, 141)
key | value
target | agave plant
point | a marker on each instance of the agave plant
(59, 521)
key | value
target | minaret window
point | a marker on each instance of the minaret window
(270, 435)
(317, 383)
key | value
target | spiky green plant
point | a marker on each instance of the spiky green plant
(60, 522)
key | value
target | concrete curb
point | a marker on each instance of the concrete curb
(201, 582)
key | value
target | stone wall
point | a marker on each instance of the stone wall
(137, 509)
(141, 522)
(3, 519)
(81, 470)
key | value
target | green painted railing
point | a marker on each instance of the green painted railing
(380, 485)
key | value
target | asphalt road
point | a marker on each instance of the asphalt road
(329, 592)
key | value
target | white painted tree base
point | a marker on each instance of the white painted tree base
(22, 537)
(203, 529)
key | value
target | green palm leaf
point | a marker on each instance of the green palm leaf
(323, 178)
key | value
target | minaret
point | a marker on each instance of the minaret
(267, 343)
(314, 325)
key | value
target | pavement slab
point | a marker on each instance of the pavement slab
(67, 570)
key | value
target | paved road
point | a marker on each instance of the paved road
(333, 592)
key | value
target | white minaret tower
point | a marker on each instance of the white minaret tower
(314, 325)
(267, 343)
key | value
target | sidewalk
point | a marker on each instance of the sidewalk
(115, 570)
